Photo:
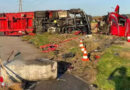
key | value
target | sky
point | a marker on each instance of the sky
(91, 7)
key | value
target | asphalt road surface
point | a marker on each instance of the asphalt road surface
(27, 51)
(65, 82)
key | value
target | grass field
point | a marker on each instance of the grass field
(114, 70)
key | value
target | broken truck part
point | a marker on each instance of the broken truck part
(52, 47)
(118, 25)
(53, 21)
(37, 70)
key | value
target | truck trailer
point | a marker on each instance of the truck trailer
(53, 21)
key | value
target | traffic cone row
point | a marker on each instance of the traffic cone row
(81, 43)
(83, 49)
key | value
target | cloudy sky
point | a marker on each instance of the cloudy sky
(92, 7)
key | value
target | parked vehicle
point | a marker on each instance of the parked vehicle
(53, 21)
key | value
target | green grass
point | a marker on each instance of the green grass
(74, 50)
(45, 38)
(120, 79)
(40, 39)
(37, 40)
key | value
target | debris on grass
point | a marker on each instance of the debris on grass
(103, 55)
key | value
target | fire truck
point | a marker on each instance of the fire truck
(53, 21)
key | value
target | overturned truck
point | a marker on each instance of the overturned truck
(62, 21)
(53, 21)
(117, 24)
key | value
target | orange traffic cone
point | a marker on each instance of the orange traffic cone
(128, 38)
(81, 43)
(83, 49)
(85, 56)
(82, 46)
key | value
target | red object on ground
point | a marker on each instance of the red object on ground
(1, 79)
(16, 23)
(67, 40)
(97, 57)
(52, 47)
(48, 47)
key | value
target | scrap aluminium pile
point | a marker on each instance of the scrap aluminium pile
(61, 21)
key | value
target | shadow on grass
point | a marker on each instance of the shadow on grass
(119, 76)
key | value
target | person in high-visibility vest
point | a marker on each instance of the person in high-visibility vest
(55, 21)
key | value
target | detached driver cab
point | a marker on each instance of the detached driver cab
(122, 21)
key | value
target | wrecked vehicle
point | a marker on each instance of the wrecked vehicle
(118, 25)
(60, 21)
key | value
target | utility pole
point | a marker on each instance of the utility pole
(20, 5)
